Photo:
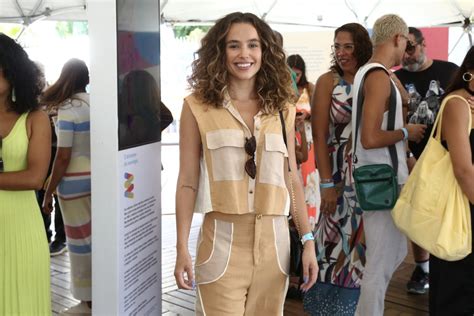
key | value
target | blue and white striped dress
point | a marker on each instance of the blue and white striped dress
(74, 190)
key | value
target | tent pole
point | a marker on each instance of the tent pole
(349, 6)
(163, 5)
(457, 42)
(18, 8)
(269, 9)
(372, 11)
(26, 20)
(23, 29)
(37, 6)
(455, 4)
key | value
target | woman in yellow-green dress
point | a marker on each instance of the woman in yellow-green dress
(25, 154)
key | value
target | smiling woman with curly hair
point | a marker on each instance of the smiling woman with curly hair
(210, 76)
(234, 122)
(25, 146)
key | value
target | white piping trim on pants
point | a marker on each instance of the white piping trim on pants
(276, 248)
(228, 258)
(282, 307)
(200, 300)
(213, 245)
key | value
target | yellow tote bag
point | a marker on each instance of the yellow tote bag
(432, 210)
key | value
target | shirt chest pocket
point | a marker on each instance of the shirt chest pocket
(227, 153)
(273, 159)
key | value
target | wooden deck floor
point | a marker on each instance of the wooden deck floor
(178, 302)
(60, 280)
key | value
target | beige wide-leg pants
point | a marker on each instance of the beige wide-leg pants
(242, 265)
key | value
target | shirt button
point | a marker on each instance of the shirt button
(251, 192)
(257, 128)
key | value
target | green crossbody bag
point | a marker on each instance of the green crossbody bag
(376, 185)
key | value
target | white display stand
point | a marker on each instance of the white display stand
(126, 212)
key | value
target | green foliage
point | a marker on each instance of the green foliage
(183, 31)
(69, 28)
(11, 30)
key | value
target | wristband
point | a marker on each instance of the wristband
(405, 133)
(306, 237)
(326, 180)
(326, 185)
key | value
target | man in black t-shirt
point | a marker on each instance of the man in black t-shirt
(425, 80)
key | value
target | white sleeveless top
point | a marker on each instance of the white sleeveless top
(378, 155)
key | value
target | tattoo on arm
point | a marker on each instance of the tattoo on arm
(189, 187)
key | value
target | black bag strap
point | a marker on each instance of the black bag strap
(283, 129)
(390, 122)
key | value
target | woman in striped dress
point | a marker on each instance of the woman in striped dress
(71, 174)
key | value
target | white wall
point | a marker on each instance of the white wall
(104, 146)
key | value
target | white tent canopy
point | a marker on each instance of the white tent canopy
(325, 13)
(317, 13)
(28, 11)
(330, 13)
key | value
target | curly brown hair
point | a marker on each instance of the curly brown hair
(22, 74)
(362, 45)
(209, 79)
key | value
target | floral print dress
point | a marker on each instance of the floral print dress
(340, 245)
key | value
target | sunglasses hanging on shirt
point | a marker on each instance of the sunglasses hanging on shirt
(250, 147)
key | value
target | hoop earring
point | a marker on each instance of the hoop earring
(13, 95)
(467, 76)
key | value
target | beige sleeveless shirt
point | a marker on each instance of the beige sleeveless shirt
(223, 133)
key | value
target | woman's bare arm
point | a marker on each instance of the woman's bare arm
(376, 96)
(293, 183)
(455, 132)
(39, 154)
(320, 120)
(186, 190)
(320, 107)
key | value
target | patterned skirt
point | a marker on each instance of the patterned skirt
(340, 250)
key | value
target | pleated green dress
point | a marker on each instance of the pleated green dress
(24, 254)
